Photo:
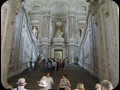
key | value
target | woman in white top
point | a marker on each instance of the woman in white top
(43, 85)
(49, 80)
(64, 83)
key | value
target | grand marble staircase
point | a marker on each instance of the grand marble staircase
(75, 74)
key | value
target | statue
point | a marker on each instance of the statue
(81, 30)
(35, 31)
(59, 33)
(58, 37)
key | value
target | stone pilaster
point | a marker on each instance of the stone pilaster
(64, 29)
(45, 36)
(50, 29)
(104, 12)
(72, 49)
(72, 24)
(67, 30)
(111, 22)
(45, 47)
(7, 41)
(72, 37)
(77, 30)
(43, 28)
(103, 44)
(45, 25)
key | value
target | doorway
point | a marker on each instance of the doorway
(58, 54)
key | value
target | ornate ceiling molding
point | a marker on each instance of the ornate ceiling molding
(58, 9)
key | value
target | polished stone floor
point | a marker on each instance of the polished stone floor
(75, 74)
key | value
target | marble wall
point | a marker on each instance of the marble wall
(111, 22)
(24, 45)
(86, 50)
(99, 40)
(102, 42)
(107, 32)
(5, 10)
(11, 8)
(47, 17)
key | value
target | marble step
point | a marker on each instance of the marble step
(75, 74)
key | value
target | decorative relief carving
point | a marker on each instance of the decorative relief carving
(36, 8)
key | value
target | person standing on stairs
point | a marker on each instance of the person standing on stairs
(64, 83)
(43, 85)
(49, 80)
(21, 84)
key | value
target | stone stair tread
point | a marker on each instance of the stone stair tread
(75, 74)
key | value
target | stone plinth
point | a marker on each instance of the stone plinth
(44, 40)
(72, 41)
(58, 40)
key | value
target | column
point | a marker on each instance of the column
(107, 32)
(72, 25)
(72, 37)
(45, 36)
(64, 29)
(50, 29)
(111, 22)
(67, 30)
(45, 25)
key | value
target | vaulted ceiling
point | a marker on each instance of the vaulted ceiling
(57, 6)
